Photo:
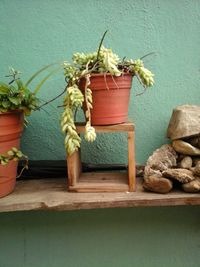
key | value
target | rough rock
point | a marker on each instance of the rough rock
(162, 158)
(148, 171)
(192, 187)
(180, 157)
(186, 163)
(185, 148)
(192, 169)
(194, 141)
(181, 175)
(197, 169)
(195, 160)
(158, 185)
(184, 122)
(139, 171)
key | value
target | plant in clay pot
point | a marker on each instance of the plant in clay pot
(100, 83)
(16, 101)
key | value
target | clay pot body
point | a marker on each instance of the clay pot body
(11, 127)
(110, 98)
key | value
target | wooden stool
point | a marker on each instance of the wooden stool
(103, 181)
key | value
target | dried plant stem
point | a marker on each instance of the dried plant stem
(114, 81)
(24, 167)
(56, 97)
(138, 77)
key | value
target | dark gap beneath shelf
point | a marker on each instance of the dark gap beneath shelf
(40, 169)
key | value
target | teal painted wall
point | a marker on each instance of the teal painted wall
(144, 237)
(35, 33)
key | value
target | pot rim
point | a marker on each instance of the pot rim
(11, 112)
(109, 74)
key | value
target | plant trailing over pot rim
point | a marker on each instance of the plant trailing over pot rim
(82, 75)
(16, 100)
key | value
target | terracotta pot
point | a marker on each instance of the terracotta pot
(11, 125)
(110, 98)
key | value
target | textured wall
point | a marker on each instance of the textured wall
(145, 237)
(35, 33)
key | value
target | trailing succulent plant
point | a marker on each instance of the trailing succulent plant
(15, 155)
(83, 65)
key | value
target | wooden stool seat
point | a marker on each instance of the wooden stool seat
(79, 181)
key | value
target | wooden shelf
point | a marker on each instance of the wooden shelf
(101, 182)
(51, 194)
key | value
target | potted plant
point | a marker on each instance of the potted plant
(16, 101)
(100, 83)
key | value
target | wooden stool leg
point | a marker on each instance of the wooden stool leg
(131, 162)
(74, 168)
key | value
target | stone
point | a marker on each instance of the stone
(148, 171)
(184, 122)
(197, 169)
(194, 141)
(181, 175)
(192, 169)
(192, 187)
(158, 185)
(185, 148)
(162, 158)
(186, 163)
(139, 171)
(180, 157)
(195, 160)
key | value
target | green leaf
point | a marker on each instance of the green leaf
(4, 89)
(45, 78)
(13, 89)
(3, 109)
(5, 104)
(38, 72)
(10, 153)
(14, 100)
(19, 154)
(19, 84)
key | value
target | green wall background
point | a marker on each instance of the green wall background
(141, 237)
(36, 33)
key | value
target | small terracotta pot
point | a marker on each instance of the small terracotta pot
(11, 125)
(110, 98)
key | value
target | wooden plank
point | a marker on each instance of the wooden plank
(101, 182)
(51, 194)
(97, 188)
(122, 127)
(104, 177)
(74, 167)
(131, 162)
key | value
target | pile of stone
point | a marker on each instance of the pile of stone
(177, 163)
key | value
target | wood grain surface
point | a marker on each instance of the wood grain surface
(51, 194)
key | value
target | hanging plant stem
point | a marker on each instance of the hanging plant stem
(14, 155)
